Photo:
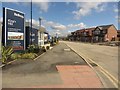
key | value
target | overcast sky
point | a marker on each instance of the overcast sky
(65, 17)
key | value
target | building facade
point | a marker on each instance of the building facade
(31, 36)
(104, 33)
(95, 34)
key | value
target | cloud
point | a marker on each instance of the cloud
(116, 10)
(80, 25)
(85, 8)
(35, 23)
(118, 18)
(44, 6)
(59, 27)
(54, 27)
(49, 23)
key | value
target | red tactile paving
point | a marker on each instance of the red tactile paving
(76, 76)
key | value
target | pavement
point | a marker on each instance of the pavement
(57, 68)
(104, 56)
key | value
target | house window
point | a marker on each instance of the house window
(97, 32)
(84, 33)
(104, 31)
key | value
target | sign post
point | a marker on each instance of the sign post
(14, 29)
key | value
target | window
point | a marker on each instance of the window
(97, 31)
(104, 31)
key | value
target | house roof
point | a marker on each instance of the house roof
(103, 27)
(90, 29)
(81, 30)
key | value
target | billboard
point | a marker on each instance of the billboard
(14, 29)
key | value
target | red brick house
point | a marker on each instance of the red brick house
(84, 35)
(87, 34)
(104, 33)
(96, 34)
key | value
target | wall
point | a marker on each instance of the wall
(112, 32)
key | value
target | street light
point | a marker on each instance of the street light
(31, 22)
(39, 29)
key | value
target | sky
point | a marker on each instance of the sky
(65, 17)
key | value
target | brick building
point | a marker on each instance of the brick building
(95, 34)
(104, 33)
(87, 34)
(83, 35)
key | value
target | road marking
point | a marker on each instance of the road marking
(39, 56)
(42, 54)
(7, 63)
(111, 78)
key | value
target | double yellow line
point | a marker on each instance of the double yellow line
(105, 72)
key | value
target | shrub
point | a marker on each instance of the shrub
(36, 50)
(6, 53)
(29, 56)
(33, 49)
(16, 56)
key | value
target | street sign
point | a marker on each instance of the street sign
(14, 28)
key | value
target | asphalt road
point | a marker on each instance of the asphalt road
(29, 73)
(105, 56)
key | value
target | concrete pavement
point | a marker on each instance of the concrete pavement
(105, 56)
(49, 71)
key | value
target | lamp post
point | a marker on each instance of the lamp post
(31, 22)
(40, 28)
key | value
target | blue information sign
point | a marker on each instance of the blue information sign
(14, 29)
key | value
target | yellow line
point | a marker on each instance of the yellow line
(111, 78)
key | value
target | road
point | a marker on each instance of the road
(105, 56)
(29, 73)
